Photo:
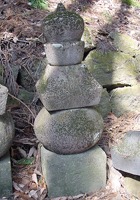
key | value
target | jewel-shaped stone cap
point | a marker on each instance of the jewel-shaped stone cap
(62, 26)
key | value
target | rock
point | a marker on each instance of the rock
(7, 132)
(70, 175)
(124, 43)
(62, 26)
(126, 155)
(25, 96)
(132, 185)
(113, 69)
(3, 99)
(64, 53)
(68, 87)
(29, 78)
(5, 176)
(88, 40)
(69, 131)
(104, 106)
(126, 99)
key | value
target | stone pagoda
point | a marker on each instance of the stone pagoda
(68, 126)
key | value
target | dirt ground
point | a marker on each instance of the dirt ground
(21, 42)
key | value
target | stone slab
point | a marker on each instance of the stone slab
(3, 98)
(69, 131)
(114, 69)
(124, 43)
(126, 155)
(65, 87)
(132, 185)
(70, 175)
(5, 176)
(126, 99)
(64, 53)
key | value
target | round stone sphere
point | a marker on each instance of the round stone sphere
(62, 26)
(7, 132)
(69, 131)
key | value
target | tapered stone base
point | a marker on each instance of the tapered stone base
(70, 175)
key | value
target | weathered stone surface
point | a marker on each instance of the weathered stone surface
(88, 39)
(132, 185)
(124, 43)
(69, 131)
(70, 175)
(3, 99)
(113, 69)
(64, 53)
(104, 106)
(7, 132)
(62, 26)
(68, 87)
(126, 99)
(28, 78)
(5, 176)
(126, 155)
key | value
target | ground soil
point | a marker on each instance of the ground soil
(21, 43)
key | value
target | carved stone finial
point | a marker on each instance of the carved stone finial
(60, 8)
(62, 26)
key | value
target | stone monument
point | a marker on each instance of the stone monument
(68, 126)
(7, 132)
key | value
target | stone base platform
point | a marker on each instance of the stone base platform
(5, 176)
(70, 175)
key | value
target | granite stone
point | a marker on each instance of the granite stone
(69, 131)
(71, 175)
(64, 53)
(68, 87)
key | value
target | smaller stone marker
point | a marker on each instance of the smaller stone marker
(7, 132)
(126, 155)
(5, 176)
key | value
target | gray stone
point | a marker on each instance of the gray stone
(104, 106)
(64, 53)
(7, 132)
(69, 131)
(126, 99)
(126, 155)
(70, 175)
(3, 98)
(62, 26)
(68, 87)
(5, 176)
(29, 77)
(124, 43)
(132, 185)
(113, 69)
(90, 43)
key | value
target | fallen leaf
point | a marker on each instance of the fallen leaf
(34, 178)
(31, 152)
(22, 152)
(16, 187)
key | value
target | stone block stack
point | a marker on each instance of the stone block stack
(68, 125)
(7, 132)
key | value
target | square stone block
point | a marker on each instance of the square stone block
(70, 175)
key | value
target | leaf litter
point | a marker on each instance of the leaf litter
(21, 43)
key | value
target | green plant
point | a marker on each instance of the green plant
(40, 4)
(131, 3)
